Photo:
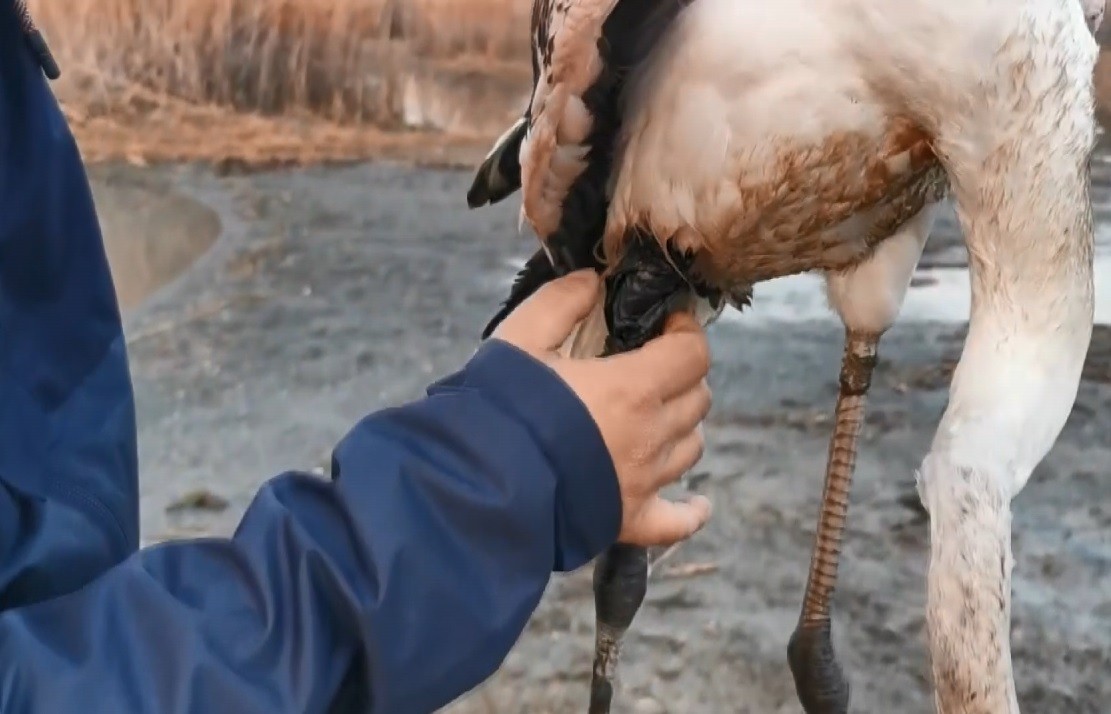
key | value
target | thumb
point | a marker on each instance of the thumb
(665, 522)
(544, 321)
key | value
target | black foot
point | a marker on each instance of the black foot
(819, 681)
(643, 290)
(601, 695)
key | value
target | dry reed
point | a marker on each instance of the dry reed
(337, 59)
(264, 81)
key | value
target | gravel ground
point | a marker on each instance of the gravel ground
(328, 293)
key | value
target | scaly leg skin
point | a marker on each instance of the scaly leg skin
(819, 680)
(640, 294)
(620, 583)
(867, 298)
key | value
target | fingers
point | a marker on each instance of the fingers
(682, 458)
(656, 521)
(687, 410)
(545, 320)
(674, 362)
(681, 322)
(665, 522)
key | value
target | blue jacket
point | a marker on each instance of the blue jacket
(395, 587)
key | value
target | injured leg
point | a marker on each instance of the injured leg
(644, 289)
(640, 294)
(620, 584)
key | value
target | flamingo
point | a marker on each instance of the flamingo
(690, 149)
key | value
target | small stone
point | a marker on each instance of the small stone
(199, 500)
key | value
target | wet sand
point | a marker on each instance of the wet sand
(334, 292)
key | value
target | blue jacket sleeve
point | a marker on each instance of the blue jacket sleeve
(395, 587)
(68, 488)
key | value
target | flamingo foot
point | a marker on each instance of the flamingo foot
(819, 680)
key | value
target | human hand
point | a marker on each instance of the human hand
(648, 404)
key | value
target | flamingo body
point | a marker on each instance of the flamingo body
(770, 137)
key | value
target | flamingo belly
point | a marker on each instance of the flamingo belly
(752, 136)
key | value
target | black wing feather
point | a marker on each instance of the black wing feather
(629, 33)
(536, 272)
(499, 175)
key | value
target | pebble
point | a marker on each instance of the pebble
(199, 500)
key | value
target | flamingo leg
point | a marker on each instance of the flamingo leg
(620, 583)
(641, 292)
(868, 299)
(819, 679)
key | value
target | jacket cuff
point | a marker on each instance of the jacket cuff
(588, 500)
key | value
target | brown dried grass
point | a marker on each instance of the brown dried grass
(276, 81)
(140, 73)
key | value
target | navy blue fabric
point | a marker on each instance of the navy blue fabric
(69, 495)
(395, 587)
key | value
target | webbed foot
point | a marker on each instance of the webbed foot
(819, 680)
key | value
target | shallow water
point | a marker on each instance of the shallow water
(152, 234)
